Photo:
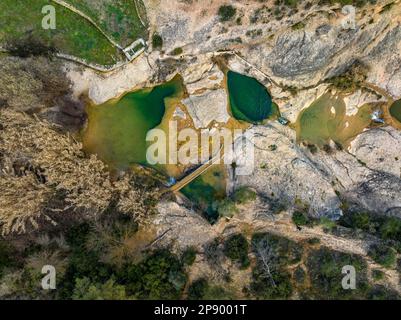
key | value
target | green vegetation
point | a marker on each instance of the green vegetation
(300, 218)
(177, 51)
(189, 256)
(377, 275)
(358, 3)
(298, 26)
(244, 195)
(118, 19)
(386, 228)
(202, 290)
(73, 34)
(351, 79)
(384, 255)
(270, 277)
(86, 290)
(226, 208)
(157, 41)
(236, 248)
(379, 292)
(7, 257)
(325, 271)
(227, 13)
(158, 276)
(249, 99)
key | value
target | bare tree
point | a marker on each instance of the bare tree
(266, 255)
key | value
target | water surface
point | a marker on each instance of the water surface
(117, 129)
(249, 99)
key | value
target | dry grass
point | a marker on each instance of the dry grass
(53, 163)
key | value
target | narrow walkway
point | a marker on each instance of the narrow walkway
(193, 175)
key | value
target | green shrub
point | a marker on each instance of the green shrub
(244, 195)
(380, 292)
(197, 289)
(159, 276)
(377, 275)
(226, 208)
(201, 290)
(236, 248)
(299, 275)
(300, 219)
(157, 41)
(327, 224)
(7, 257)
(177, 51)
(313, 241)
(189, 256)
(391, 229)
(86, 290)
(226, 13)
(383, 255)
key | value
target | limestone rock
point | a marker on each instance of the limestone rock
(207, 107)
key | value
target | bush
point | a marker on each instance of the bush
(157, 41)
(391, 229)
(177, 51)
(158, 276)
(379, 292)
(201, 290)
(300, 219)
(244, 195)
(226, 13)
(377, 275)
(299, 275)
(327, 224)
(7, 256)
(189, 256)
(386, 228)
(325, 271)
(197, 289)
(236, 248)
(226, 208)
(383, 255)
(85, 290)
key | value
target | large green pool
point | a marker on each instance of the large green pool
(117, 129)
(249, 99)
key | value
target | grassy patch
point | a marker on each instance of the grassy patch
(73, 35)
(119, 19)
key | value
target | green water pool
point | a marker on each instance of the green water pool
(117, 129)
(325, 119)
(206, 190)
(249, 99)
(395, 110)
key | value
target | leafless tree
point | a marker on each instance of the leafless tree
(266, 255)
